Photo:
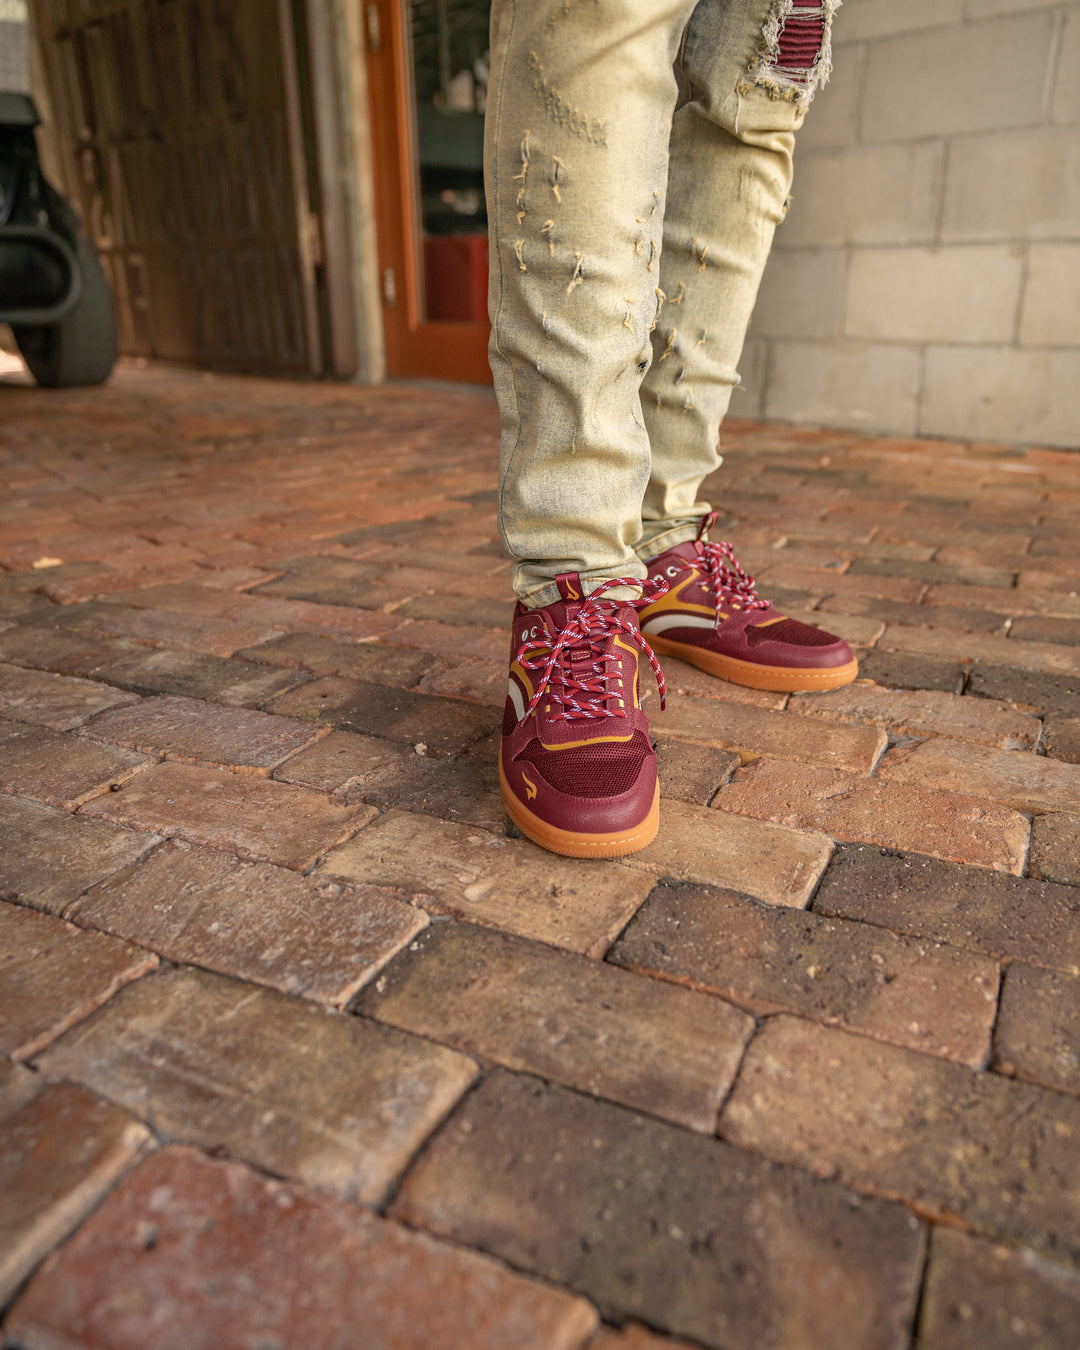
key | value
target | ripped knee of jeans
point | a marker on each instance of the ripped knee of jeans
(794, 57)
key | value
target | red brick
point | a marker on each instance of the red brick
(477, 681)
(665, 1051)
(993, 912)
(200, 733)
(248, 816)
(767, 959)
(982, 1295)
(924, 713)
(1026, 782)
(1061, 738)
(691, 772)
(685, 680)
(48, 856)
(918, 818)
(987, 648)
(774, 864)
(1055, 848)
(892, 670)
(60, 769)
(755, 731)
(372, 662)
(1066, 631)
(895, 612)
(887, 588)
(944, 576)
(299, 1090)
(634, 1336)
(53, 700)
(997, 1155)
(509, 884)
(233, 1258)
(450, 640)
(262, 923)
(54, 975)
(442, 726)
(60, 1154)
(1008, 600)
(1038, 1032)
(65, 653)
(194, 675)
(655, 1222)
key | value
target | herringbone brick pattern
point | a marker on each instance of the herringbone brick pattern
(304, 1049)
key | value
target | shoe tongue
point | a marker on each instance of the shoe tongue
(692, 549)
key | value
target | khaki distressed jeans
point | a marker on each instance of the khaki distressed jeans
(638, 161)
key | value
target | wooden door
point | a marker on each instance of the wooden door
(185, 144)
(427, 81)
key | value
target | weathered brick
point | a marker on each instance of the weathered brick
(1027, 782)
(54, 701)
(1061, 738)
(194, 732)
(249, 816)
(1055, 848)
(397, 667)
(777, 865)
(1052, 604)
(17, 1086)
(669, 1052)
(202, 907)
(634, 1336)
(756, 731)
(869, 811)
(1024, 629)
(443, 726)
(342, 581)
(216, 637)
(60, 1154)
(894, 670)
(1038, 1032)
(691, 772)
(996, 1154)
(60, 769)
(234, 1258)
(64, 653)
(989, 649)
(509, 884)
(883, 587)
(766, 959)
(983, 1295)
(648, 1220)
(48, 856)
(1059, 693)
(961, 580)
(297, 1089)
(1006, 916)
(452, 640)
(218, 679)
(924, 713)
(54, 975)
(472, 611)
(477, 681)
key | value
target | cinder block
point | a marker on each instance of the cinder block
(1051, 313)
(802, 294)
(1001, 394)
(880, 18)
(934, 295)
(879, 195)
(842, 384)
(1066, 105)
(1020, 186)
(953, 79)
(833, 118)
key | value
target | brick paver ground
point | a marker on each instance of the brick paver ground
(302, 1047)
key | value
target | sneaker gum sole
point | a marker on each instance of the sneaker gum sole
(776, 679)
(571, 844)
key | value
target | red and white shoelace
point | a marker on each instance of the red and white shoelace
(721, 570)
(579, 691)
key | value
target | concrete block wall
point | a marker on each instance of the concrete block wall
(927, 278)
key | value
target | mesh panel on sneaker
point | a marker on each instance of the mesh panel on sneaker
(601, 769)
(790, 632)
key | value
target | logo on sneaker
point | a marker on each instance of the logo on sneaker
(571, 594)
(530, 787)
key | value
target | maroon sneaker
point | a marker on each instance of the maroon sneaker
(712, 617)
(577, 769)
